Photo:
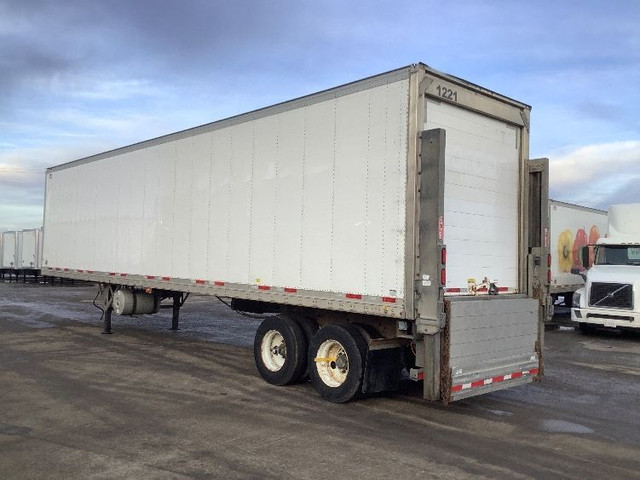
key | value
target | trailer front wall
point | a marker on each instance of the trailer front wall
(311, 197)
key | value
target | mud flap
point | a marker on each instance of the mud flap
(383, 370)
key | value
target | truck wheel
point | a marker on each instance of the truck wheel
(337, 356)
(309, 328)
(280, 350)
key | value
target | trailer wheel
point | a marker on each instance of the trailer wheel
(309, 328)
(280, 351)
(337, 356)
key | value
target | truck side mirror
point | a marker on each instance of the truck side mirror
(576, 271)
(584, 256)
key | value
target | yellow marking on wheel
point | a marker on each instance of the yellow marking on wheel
(325, 359)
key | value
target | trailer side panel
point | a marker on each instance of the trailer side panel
(309, 198)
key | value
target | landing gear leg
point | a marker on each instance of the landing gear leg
(177, 303)
(104, 301)
(106, 325)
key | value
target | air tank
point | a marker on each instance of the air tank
(129, 302)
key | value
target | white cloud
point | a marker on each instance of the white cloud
(101, 87)
(596, 175)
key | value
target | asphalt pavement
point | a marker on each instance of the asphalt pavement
(150, 403)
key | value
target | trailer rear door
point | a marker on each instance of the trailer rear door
(481, 202)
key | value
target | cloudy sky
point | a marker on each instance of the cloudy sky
(78, 77)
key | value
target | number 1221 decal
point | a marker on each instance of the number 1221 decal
(447, 93)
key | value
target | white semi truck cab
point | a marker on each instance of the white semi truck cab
(611, 295)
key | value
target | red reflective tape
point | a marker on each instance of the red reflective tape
(80, 271)
(264, 287)
(112, 274)
(200, 282)
(489, 381)
(291, 290)
(218, 284)
(66, 269)
(482, 289)
(123, 274)
(389, 299)
(151, 277)
(89, 271)
(503, 289)
(166, 279)
(354, 296)
(454, 290)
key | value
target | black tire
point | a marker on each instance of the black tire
(331, 381)
(309, 328)
(280, 351)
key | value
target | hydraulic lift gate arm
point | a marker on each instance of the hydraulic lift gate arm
(538, 244)
(429, 290)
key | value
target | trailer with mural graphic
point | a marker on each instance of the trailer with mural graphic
(572, 227)
(393, 223)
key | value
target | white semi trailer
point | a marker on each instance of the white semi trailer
(571, 227)
(394, 222)
(10, 250)
(20, 253)
(29, 242)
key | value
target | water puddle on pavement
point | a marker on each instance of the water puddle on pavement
(13, 430)
(560, 426)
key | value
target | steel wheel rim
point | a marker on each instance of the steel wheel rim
(332, 363)
(273, 350)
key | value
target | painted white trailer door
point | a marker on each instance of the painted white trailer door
(28, 249)
(480, 196)
(9, 250)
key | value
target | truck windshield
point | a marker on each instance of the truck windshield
(617, 255)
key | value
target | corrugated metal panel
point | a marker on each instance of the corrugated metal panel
(488, 330)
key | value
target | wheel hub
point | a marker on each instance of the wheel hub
(273, 350)
(341, 362)
(332, 363)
